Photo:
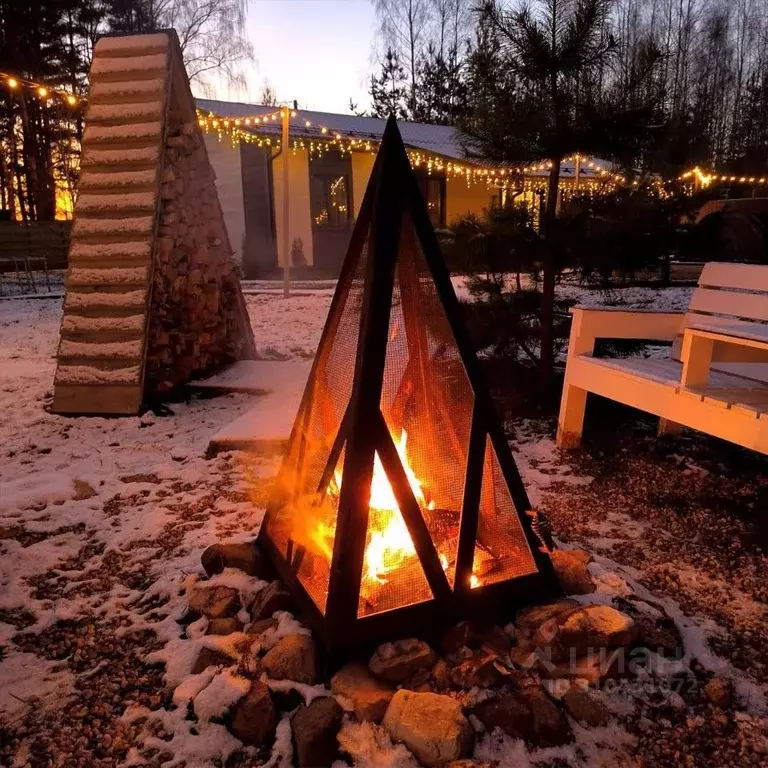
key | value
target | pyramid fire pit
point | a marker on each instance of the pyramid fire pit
(398, 506)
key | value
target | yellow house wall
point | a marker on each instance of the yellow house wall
(461, 199)
(362, 165)
(299, 214)
(225, 160)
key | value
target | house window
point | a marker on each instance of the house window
(330, 201)
(433, 191)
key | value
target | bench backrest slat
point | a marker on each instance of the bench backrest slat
(731, 294)
(744, 277)
(753, 306)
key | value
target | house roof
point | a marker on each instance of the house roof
(436, 139)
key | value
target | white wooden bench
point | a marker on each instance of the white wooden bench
(716, 378)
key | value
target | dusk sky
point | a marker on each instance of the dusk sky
(315, 51)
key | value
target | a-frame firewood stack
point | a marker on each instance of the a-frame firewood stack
(152, 293)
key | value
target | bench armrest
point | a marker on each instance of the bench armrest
(617, 323)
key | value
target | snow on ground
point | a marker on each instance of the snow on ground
(102, 522)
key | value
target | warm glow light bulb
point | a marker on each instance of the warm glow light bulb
(71, 100)
(43, 91)
(12, 82)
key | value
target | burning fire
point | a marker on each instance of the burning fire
(390, 546)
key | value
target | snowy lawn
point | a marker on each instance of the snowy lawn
(102, 522)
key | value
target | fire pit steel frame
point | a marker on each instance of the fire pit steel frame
(392, 191)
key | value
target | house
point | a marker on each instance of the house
(328, 169)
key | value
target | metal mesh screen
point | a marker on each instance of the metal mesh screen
(501, 549)
(303, 523)
(392, 573)
(427, 403)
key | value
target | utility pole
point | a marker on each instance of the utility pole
(286, 149)
(578, 170)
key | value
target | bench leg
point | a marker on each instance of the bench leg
(697, 360)
(667, 427)
(571, 421)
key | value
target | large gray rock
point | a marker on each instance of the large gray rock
(367, 696)
(314, 731)
(254, 717)
(292, 658)
(511, 713)
(224, 626)
(432, 726)
(246, 557)
(258, 628)
(526, 713)
(530, 619)
(585, 708)
(214, 602)
(550, 725)
(572, 572)
(588, 629)
(396, 661)
(208, 657)
(274, 597)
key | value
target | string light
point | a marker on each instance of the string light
(43, 91)
(592, 178)
(433, 163)
(706, 179)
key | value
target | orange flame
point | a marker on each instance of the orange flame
(390, 545)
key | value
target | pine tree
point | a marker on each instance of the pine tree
(388, 91)
(538, 90)
(132, 16)
(442, 95)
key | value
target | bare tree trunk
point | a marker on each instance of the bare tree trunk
(4, 185)
(20, 192)
(412, 45)
(29, 152)
(547, 360)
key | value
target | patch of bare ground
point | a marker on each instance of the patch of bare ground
(689, 513)
(110, 675)
(26, 538)
(20, 618)
(697, 735)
